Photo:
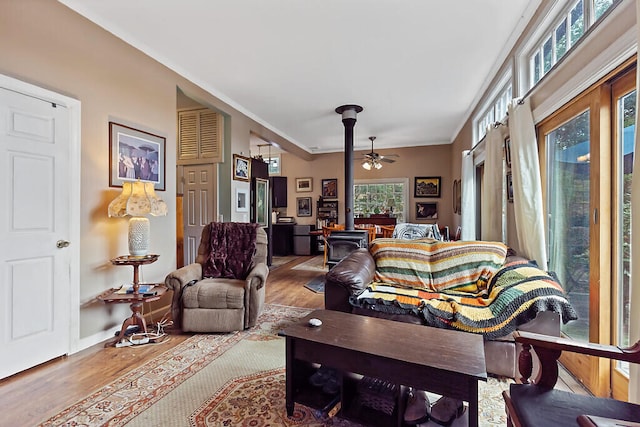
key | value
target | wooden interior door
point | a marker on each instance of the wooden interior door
(198, 208)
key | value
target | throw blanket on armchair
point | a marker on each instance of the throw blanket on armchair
(514, 295)
(231, 249)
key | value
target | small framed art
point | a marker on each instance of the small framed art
(241, 168)
(330, 188)
(242, 200)
(507, 151)
(304, 206)
(509, 187)
(427, 186)
(304, 185)
(426, 210)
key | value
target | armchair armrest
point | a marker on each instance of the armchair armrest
(549, 348)
(180, 277)
(259, 274)
(176, 281)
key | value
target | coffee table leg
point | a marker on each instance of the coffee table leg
(473, 404)
(289, 376)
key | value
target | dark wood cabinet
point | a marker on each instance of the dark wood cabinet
(282, 239)
(278, 191)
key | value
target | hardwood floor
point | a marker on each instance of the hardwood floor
(41, 392)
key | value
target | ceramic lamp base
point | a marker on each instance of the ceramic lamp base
(139, 231)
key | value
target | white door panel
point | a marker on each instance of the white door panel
(34, 272)
(198, 205)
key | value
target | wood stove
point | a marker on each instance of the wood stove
(342, 242)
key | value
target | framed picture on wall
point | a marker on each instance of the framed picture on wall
(426, 210)
(330, 188)
(509, 187)
(426, 186)
(262, 201)
(135, 154)
(241, 168)
(242, 200)
(304, 185)
(507, 151)
(304, 206)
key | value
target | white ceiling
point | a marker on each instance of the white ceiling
(416, 66)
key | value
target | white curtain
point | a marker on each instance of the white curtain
(527, 187)
(634, 309)
(468, 200)
(492, 187)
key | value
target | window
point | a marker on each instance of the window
(274, 164)
(496, 110)
(381, 197)
(570, 25)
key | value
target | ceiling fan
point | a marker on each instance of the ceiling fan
(374, 160)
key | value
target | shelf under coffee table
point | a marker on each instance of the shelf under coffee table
(442, 361)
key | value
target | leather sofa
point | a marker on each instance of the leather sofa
(357, 270)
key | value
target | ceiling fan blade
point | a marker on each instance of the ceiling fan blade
(385, 159)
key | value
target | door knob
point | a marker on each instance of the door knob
(62, 244)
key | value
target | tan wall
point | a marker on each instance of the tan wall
(416, 161)
(46, 44)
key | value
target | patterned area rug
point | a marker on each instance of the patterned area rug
(223, 380)
(314, 264)
(236, 404)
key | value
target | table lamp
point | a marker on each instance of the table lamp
(138, 199)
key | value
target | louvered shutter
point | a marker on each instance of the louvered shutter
(210, 141)
(188, 135)
(200, 135)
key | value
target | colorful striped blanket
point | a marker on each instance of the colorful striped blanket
(436, 266)
(513, 296)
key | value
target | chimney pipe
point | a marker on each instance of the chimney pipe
(349, 117)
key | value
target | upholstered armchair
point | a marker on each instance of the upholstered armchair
(224, 289)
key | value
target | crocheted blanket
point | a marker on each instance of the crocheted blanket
(514, 295)
(231, 249)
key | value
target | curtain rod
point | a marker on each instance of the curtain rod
(498, 123)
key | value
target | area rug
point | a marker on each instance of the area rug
(221, 380)
(316, 284)
(314, 264)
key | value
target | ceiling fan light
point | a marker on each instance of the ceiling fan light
(366, 165)
(377, 165)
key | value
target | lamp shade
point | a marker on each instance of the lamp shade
(138, 199)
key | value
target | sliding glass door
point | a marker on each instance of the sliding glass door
(588, 151)
(624, 111)
(569, 174)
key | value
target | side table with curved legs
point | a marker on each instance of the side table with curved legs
(135, 299)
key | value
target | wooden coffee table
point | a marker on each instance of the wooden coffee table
(442, 361)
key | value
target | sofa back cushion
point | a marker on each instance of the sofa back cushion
(437, 266)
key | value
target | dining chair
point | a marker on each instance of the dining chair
(387, 230)
(326, 232)
(371, 229)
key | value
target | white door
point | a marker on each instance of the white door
(199, 195)
(35, 283)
